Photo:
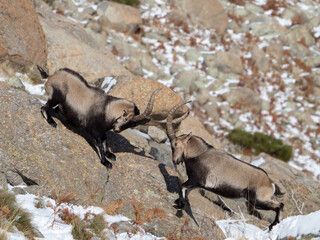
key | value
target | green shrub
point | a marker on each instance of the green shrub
(260, 142)
(128, 2)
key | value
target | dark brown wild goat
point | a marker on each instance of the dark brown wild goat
(90, 108)
(221, 173)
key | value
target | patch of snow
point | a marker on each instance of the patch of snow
(284, 22)
(146, 136)
(34, 89)
(258, 162)
(294, 226)
(316, 31)
(43, 220)
(110, 81)
(260, 2)
(3, 79)
(222, 91)
(263, 44)
(147, 74)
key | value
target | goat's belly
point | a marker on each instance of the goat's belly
(227, 191)
(72, 115)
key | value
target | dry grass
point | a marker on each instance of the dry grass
(114, 206)
(184, 232)
(12, 215)
(59, 200)
(93, 190)
(143, 216)
(79, 229)
(3, 236)
(40, 203)
(98, 225)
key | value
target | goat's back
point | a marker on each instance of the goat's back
(78, 96)
(224, 169)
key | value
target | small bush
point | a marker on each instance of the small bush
(98, 225)
(260, 142)
(128, 2)
(40, 203)
(79, 229)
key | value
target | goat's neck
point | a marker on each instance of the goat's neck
(195, 147)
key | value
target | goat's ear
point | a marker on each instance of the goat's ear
(187, 137)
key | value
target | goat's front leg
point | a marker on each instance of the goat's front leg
(45, 111)
(107, 153)
(183, 198)
(103, 159)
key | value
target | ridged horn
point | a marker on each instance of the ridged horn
(170, 130)
(148, 109)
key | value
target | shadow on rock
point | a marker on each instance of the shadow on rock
(116, 142)
(173, 186)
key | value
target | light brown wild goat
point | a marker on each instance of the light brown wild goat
(91, 108)
(221, 173)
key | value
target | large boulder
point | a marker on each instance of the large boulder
(246, 98)
(139, 91)
(210, 13)
(22, 41)
(118, 16)
(69, 45)
(226, 62)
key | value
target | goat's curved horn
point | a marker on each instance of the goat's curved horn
(148, 109)
(170, 130)
(174, 121)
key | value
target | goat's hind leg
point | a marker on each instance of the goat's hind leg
(252, 210)
(270, 205)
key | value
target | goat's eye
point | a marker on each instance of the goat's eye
(125, 114)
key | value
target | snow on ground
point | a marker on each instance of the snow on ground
(53, 228)
(43, 220)
(294, 226)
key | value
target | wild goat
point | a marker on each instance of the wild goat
(90, 108)
(221, 173)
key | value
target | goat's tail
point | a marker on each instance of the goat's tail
(277, 191)
(43, 73)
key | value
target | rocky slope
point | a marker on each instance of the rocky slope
(246, 71)
(247, 64)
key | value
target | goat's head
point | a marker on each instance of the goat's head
(178, 144)
(129, 111)
(133, 118)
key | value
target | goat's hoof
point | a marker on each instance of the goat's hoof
(53, 124)
(272, 225)
(107, 164)
(179, 204)
(111, 156)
